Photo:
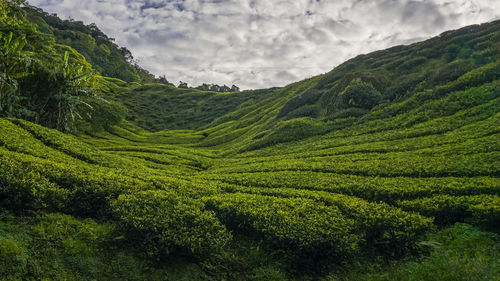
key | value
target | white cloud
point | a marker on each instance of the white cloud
(262, 43)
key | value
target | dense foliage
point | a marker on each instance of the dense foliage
(344, 176)
(158, 107)
(45, 82)
(98, 49)
(218, 88)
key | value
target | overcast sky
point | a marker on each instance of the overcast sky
(264, 43)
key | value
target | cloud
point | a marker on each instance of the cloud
(261, 43)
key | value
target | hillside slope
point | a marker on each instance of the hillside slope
(97, 48)
(341, 97)
(337, 177)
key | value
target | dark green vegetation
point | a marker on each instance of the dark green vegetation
(459, 253)
(105, 56)
(182, 108)
(46, 82)
(386, 168)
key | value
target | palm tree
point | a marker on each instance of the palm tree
(13, 65)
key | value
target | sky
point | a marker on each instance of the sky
(264, 43)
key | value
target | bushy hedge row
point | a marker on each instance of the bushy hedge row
(68, 144)
(480, 209)
(382, 229)
(386, 189)
(23, 188)
(169, 222)
(381, 164)
(307, 231)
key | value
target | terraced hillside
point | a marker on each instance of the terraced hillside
(357, 165)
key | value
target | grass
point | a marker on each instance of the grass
(458, 253)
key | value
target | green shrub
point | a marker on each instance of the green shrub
(475, 77)
(311, 111)
(291, 130)
(348, 112)
(450, 72)
(408, 65)
(23, 188)
(310, 233)
(295, 103)
(357, 94)
(382, 229)
(403, 85)
(171, 223)
(484, 210)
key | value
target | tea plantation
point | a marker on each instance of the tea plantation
(385, 168)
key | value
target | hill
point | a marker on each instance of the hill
(377, 79)
(385, 168)
(98, 49)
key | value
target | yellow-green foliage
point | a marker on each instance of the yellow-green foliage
(380, 227)
(172, 221)
(483, 209)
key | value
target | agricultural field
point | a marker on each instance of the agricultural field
(304, 182)
(316, 203)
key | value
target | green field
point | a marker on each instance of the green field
(385, 168)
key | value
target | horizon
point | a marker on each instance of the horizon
(253, 44)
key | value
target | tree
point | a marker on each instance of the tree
(203, 87)
(10, 12)
(183, 85)
(126, 54)
(58, 95)
(162, 80)
(358, 94)
(224, 89)
(215, 88)
(13, 65)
